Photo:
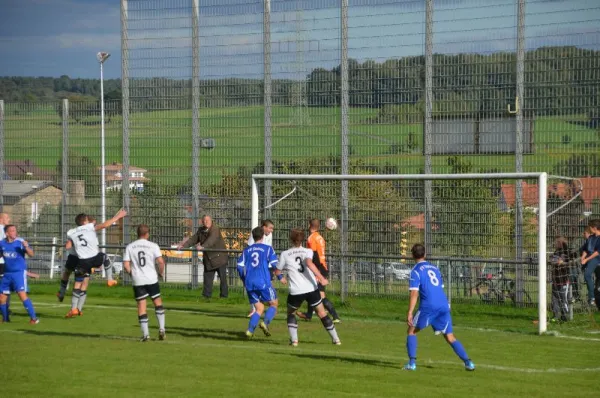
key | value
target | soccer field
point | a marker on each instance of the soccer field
(206, 353)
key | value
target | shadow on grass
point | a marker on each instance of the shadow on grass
(75, 334)
(352, 360)
(216, 334)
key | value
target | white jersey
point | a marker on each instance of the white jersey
(85, 241)
(2, 237)
(70, 251)
(267, 240)
(300, 278)
(142, 255)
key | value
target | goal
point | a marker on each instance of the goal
(488, 233)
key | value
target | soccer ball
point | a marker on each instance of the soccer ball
(331, 224)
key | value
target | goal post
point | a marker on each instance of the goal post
(540, 178)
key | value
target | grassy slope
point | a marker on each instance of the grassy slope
(161, 141)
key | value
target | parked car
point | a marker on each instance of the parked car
(395, 271)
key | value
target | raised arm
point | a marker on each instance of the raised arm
(120, 214)
(27, 248)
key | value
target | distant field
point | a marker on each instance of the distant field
(160, 141)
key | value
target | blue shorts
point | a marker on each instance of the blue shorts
(13, 282)
(263, 295)
(439, 320)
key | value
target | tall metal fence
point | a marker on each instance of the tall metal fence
(214, 90)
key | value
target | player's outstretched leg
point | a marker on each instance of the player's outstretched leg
(143, 319)
(160, 317)
(327, 324)
(8, 307)
(292, 323)
(64, 282)
(411, 349)
(108, 270)
(29, 307)
(459, 350)
(82, 296)
(269, 315)
(255, 319)
(4, 308)
(331, 309)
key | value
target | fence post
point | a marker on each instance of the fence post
(519, 102)
(52, 257)
(428, 192)
(65, 169)
(268, 167)
(195, 130)
(345, 154)
(125, 111)
(1, 155)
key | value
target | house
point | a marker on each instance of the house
(24, 200)
(565, 190)
(114, 177)
(27, 169)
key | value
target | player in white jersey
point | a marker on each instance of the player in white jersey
(84, 241)
(139, 261)
(302, 278)
(268, 227)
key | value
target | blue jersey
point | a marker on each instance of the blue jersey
(427, 279)
(14, 255)
(254, 264)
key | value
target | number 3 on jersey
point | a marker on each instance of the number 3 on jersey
(255, 259)
(299, 264)
(433, 278)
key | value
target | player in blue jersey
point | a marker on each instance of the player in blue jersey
(254, 267)
(427, 286)
(13, 250)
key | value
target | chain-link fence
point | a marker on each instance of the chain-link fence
(213, 91)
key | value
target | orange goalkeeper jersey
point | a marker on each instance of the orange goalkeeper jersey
(316, 243)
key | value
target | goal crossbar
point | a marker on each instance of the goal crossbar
(542, 178)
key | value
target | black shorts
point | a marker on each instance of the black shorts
(312, 298)
(141, 292)
(1, 270)
(85, 265)
(72, 262)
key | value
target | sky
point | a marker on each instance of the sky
(62, 37)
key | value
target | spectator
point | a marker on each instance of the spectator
(560, 265)
(209, 236)
(590, 259)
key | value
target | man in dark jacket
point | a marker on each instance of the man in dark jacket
(209, 237)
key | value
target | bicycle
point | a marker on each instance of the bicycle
(498, 289)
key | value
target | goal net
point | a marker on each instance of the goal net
(494, 236)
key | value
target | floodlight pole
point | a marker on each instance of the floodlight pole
(102, 56)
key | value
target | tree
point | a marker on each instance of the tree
(467, 218)
(579, 165)
(165, 214)
(81, 167)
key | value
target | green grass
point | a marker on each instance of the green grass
(160, 141)
(206, 353)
